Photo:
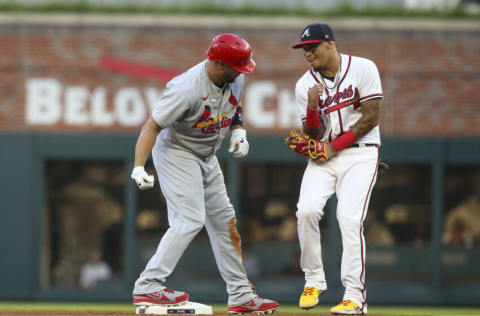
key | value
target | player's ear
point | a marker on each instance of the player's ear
(331, 44)
(218, 65)
(222, 65)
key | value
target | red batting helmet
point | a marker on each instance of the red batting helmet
(232, 50)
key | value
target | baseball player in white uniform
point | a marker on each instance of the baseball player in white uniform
(338, 101)
(186, 128)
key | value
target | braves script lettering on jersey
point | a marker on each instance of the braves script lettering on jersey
(351, 90)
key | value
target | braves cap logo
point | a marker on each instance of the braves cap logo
(306, 33)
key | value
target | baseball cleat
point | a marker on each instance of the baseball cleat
(257, 305)
(309, 297)
(346, 307)
(164, 297)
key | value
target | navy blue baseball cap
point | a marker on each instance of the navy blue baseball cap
(315, 33)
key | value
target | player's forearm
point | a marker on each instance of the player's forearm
(145, 142)
(369, 119)
(315, 133)
(312, 126)
(363, 126)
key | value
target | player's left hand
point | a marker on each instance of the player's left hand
(238, 143)
(320, 151)
(142, 178)
(304, 145)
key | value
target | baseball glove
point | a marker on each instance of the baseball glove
(306, 146)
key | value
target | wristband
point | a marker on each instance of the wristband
(313, 118)
(238, 117)
(345, 140)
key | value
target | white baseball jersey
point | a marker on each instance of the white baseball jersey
(351, 174)
(357, 81)
(195, 113)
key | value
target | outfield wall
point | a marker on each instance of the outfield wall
(90, 73)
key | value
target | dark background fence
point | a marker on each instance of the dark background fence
(411, 266)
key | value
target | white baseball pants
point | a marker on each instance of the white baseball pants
(351, 175)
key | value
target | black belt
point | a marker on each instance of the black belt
(363, 145)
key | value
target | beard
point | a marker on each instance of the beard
(229, 78)
(319, 68)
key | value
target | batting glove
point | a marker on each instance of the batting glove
(142, 178)
(238, 143)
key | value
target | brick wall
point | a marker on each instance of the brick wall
(61, 77)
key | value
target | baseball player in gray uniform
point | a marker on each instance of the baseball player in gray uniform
(186, 128)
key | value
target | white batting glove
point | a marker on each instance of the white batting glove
(238, 143)
(142, 178)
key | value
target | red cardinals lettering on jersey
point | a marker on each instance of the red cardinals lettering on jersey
(212, 128)
(210, 125)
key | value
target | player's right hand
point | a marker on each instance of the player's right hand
(142, 178)
(314, 94)
(238, 143)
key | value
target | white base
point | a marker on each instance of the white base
(187, 308)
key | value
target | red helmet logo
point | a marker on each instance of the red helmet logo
(232, 50)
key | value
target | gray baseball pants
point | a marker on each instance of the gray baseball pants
(196, 196)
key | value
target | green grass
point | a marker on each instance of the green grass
(323, 309)
(206, 8)
(63, 306)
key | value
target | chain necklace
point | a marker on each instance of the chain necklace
(214, 96)
(337, 76)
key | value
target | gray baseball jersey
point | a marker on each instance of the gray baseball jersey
(195, 115)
